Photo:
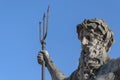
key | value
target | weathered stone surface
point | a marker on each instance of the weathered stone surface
(94, 63)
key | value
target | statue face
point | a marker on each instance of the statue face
(94, 51)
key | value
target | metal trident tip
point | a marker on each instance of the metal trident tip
(44, 27)
(43, 34)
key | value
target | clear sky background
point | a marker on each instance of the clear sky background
(19, 34)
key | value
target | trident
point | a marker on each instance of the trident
(43, 34)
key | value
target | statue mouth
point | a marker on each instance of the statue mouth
(93, 63)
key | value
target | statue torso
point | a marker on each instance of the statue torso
(109, 71)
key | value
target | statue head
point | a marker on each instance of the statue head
(96, 39)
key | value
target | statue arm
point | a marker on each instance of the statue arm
(55, 73)
(58, 75)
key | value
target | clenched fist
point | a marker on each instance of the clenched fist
(43, 56)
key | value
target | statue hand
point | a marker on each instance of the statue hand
(43, 56)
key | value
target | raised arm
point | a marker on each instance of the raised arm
(56, 74)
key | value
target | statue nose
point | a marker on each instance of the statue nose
(84, 41)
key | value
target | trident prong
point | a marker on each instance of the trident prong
(44, 28)
(43, 34)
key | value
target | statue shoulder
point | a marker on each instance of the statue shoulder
(110, 69)
(111, 66)
(117, 69)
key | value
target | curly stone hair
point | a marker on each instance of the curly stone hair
(100, 27)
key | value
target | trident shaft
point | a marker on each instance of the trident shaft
(43, 34)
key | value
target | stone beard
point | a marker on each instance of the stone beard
(91, 59)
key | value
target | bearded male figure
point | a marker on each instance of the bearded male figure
(94, 62)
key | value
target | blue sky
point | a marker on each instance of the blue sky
(19, 34)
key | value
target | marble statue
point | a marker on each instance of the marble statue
(94, 62)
